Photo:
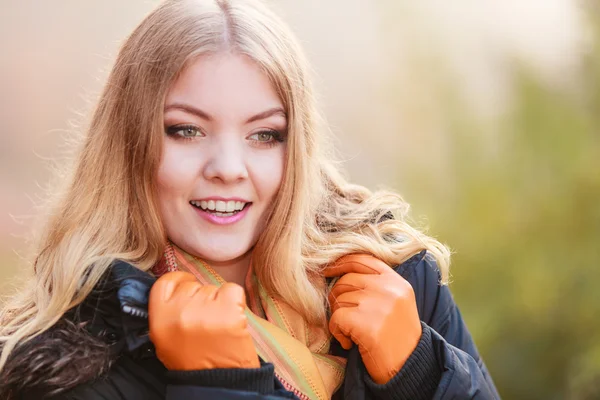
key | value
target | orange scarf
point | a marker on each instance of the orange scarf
(298, 351)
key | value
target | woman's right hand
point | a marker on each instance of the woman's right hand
(195, 327)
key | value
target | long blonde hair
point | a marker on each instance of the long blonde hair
(108, 209)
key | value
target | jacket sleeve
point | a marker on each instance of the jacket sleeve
(445, 364)
(125, 382)
(230, 384)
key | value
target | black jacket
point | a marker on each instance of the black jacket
(101, 350)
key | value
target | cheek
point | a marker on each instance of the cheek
(268, 174)
(175, 176)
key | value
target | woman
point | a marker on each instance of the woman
(206, 248)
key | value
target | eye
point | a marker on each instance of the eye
(184, 131)
(263, 136)
(266, 136)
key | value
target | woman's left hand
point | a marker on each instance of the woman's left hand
(375, 308)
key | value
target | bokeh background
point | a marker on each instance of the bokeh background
(484, 115)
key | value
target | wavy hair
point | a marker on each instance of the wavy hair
(108, 210)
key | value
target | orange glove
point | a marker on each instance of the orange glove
(197, 327)
(375, 308)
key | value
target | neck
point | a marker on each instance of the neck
(233, 270)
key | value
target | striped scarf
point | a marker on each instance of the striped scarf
(281, 336)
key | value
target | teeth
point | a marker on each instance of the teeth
(221, 207)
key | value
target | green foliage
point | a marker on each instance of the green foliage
(522, 212)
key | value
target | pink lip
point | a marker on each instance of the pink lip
(222, 220)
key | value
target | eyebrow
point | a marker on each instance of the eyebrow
(204, 115)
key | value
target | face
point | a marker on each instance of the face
(223, 157)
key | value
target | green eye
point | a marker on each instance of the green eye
(264, 136)
(184, 131)
(267, 136)
(189, 131)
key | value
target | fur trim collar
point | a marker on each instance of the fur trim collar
(85, 342)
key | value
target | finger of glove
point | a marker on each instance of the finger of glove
(164, 296)
(341, 325)
(348, 299)
(164, 287)
(349, 283)
(231, 293)
(206, 294)
(171, 311)
(182, 296)
(219, 308)
(199, 306)
(184, 291)
(358, 263)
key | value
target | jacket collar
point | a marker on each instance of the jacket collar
(117, 308)
(132, 294)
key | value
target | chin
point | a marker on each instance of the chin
(221, 252)
(223, 257)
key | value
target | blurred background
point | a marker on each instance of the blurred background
(484, 115)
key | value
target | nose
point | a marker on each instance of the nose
(226, 163)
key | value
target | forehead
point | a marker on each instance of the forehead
(225, 85)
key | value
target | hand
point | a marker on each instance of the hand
(197, 327)
(375, 308)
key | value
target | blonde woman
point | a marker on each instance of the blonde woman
(205, 247)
